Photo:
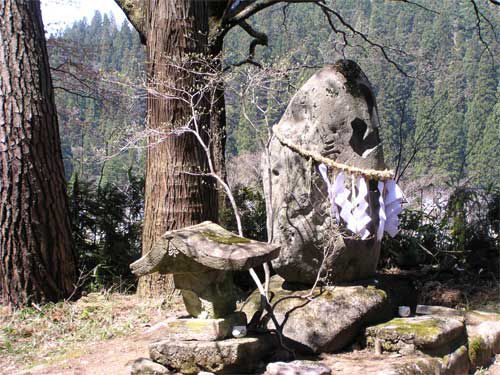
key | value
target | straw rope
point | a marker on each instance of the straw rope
(386, 174)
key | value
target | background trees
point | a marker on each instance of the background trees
(423, 114)
(37, 263)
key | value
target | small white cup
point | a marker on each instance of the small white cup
(239, 331)
(404, 311)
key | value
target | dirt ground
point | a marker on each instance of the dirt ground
(103, 334)
(109, 357)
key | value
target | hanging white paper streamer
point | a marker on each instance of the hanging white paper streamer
(342, 198)
(354, 205)
(393, 199)
(323, 170)
(381, 212)
(360, 218)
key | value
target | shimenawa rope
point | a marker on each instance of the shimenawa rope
(386, 174)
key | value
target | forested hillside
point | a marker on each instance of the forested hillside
(437, 93)
(443, 114)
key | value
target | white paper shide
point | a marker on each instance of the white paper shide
(351, 206)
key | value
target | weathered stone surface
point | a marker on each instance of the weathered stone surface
(232, 356)
(439, 311)
(483, 335)
(476, 317)
(429, 334)
(202, 329)
(202, 246)
(145, 366)
(456, 363)
(297, 368)
(484, 342)
(209, 294)
(334, 114)
(326, 322)
(365, 362)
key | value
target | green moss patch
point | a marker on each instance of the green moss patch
(423, 329)
(224, 239)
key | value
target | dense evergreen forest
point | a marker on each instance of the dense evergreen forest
(446, 107)
(437, 94)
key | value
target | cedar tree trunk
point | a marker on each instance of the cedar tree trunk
(174, 199)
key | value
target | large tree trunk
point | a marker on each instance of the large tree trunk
(173, 199)
(37, 263)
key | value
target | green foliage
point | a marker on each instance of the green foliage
(97, 68)
(107, 226)
(252, 209)
(463, 232)
(429, 123)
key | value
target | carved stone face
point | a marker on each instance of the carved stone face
(334, 114)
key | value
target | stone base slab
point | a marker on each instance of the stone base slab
(232, 356)
(203, 329)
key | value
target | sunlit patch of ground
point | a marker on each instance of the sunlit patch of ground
(37, 337)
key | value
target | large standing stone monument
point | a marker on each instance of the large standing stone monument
(333, 114)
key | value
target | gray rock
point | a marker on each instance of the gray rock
(202, 329)
(145, 366)
(326, 322)
(430, 334)
(297, 368)
(334, 114)
(484, 342)
(209, 294)
(456, 363)
(232, 356)
(439, 311)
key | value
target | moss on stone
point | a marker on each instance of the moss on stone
(224, 239)
(477, 350)
(424, 329)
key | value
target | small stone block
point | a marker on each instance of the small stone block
(232, 356)
(203, 329)
(145, 366)
(431, 334)
(297, 368)
(439, 311)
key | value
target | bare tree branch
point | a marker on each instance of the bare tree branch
(418, 5)
(135, 10)
(480, 15)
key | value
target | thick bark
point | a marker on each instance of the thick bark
(37, 263)
(173, 199)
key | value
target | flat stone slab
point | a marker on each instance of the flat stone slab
(202, 329)
(324, 321)
(439, 311)
(297, 368)
(430, 334)
(365, 362)
(232, 356)
(194, 248)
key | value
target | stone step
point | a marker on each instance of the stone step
(201, 329)
(434, 335)
(232, 356)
